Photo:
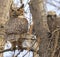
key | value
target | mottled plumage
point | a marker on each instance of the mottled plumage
(51, 20)
(16, 25)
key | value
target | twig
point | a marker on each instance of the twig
(56, 42)
(29, 49)
(18, 53)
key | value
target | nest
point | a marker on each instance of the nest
(16, 26)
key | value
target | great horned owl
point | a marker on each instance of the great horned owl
(51, 20)
(15, 12)
(16, 26)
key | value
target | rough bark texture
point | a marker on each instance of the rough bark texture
(4, 10)
(40, 25)
(4, 16)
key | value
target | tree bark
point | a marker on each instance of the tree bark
(4, 16)
(4, 10)
(40, 25)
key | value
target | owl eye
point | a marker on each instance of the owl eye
(49, 16)
(54, 15)
(2, 26)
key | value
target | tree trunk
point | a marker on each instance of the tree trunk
(4, 10)
(40, 25)
(4, 16)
